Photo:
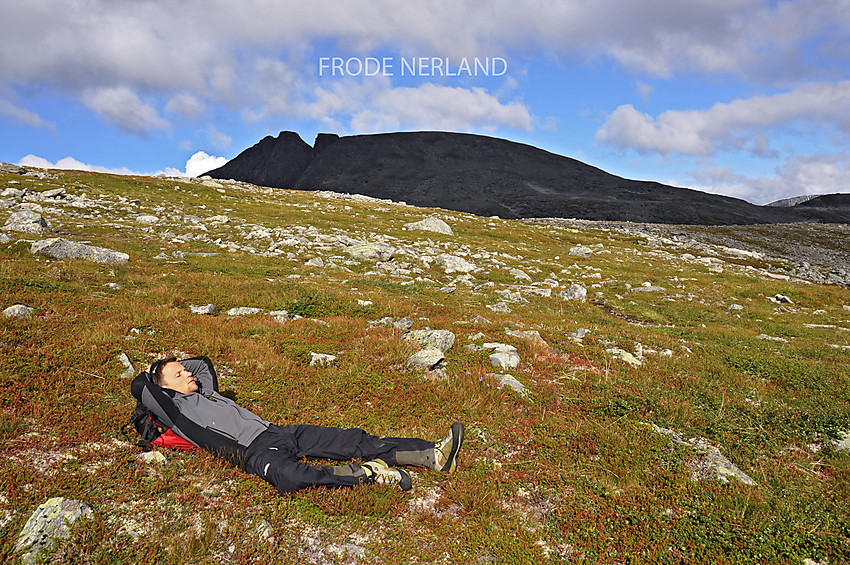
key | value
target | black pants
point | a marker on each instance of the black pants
(275, 455)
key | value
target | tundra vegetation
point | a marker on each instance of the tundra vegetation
(691, 407)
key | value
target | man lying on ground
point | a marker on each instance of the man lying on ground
(183, 395)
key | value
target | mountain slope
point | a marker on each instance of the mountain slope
(487, 176)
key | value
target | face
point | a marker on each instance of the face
(176, 377)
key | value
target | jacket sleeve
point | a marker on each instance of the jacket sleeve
(202, 368)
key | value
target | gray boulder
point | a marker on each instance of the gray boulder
(581, 251)
(51, 520)
(452, 263)
(4, 238)
(315, 262)
(64, 249)
(27, 221)
(426, 359)
(129, 370)
(243, 311)
(371, 252)
(442, 340)
(431, 223)
(204, 309)
(321, 359)
(18, 311)
(575, 292)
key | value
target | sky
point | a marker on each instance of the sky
(746, 98)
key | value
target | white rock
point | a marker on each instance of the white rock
(63, 249)
(575, 292)
(427, 359)
(152, 457)
(453, 263)
(442, 340)
(321, 359)
(581, 251)
(243, 311)
(147, 219)
(18, 311)
(432, 224)
(204, 309)
(315, 262)
(27, 222)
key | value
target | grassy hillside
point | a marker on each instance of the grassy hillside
(573, 472)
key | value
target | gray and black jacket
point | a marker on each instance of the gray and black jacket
(205, 418)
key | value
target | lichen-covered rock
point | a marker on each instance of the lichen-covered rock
(321, 359)
(27, 221)
(426, 359)
(575, 292)
(18, 311)
(432, 339)
(49, 521)
(63, 249)
(243, 311)
(129, 370)
(709, 461)
(206, 309)
(452, 263)
(431, 223)
(371, 252)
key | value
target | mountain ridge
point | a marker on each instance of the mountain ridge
(490, 176)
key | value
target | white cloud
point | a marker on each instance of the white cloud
(734, 124)
(22, 114)
(796, 176)
(196, 165)
(123, 108)
(69, 163)
(186, 105)
(200, 163)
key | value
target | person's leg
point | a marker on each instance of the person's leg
(272, 456)
(319, 442)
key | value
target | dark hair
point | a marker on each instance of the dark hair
(156, 369)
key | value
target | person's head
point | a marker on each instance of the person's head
(170, 373)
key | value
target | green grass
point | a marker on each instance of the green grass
(573, 471)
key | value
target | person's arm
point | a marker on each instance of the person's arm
(202, 368)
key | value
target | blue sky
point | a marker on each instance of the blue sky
(748, 98)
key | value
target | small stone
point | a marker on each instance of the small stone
(404, 324)
(442, 340)
(520, 275)
(578, 335)
(18, 311)
(452, 263)
(480, 320)
(843, 443)
(432, 224)
(618, 353)
(512, 382)
(147, 219)
(151, 457)
(129, 371)
(646, 287)
(782, 299)
(505, 359)
(477, 336)
(364, 302)
(204, 309)
(315, 262)
(4, 238)
(162, 256)
(321, 359)
(243, 311)
(371, 252)
(575, 292)
(427, 359)
(499, 307)
(735, 307)
(581, 251)
(280, 315)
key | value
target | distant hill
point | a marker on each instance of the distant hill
(489, 176)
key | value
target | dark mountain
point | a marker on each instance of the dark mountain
(489, 176)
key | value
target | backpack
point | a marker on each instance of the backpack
(152, 431)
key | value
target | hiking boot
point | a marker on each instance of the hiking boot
(447, 449)
(379, 472)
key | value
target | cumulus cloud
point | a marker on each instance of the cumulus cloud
(69, 163)
(795, 176)
(129, 48)
(201, 162)
(739, 124)
(196, 165)
(123, 108)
